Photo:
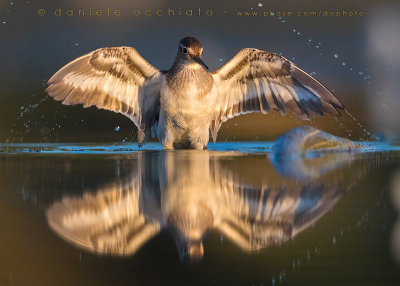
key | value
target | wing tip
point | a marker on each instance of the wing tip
(333, 100)
(316, 87)
(52, 80)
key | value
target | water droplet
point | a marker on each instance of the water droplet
(294, 30)
(221, 59)
(336, 56)
(117, 128)
(360, 73)
(4, 22)
(343, 63)
(309, 40)
(334, 240)
(76, 44)
(260, 4)
(273, 281)
(317, 46)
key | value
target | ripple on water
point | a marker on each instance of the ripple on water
(126, 148)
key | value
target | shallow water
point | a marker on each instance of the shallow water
(95, 214)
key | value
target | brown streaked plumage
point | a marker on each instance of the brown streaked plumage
(183, 103)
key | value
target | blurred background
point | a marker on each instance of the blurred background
(357, 57)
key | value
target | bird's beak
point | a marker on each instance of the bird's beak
(198, 60)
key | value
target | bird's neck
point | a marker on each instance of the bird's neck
(180, 63)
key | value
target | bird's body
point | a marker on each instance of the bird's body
(186, 102)
(185, 113)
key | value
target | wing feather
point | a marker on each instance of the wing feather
(108, 222)
(258, 81)
(116, 79)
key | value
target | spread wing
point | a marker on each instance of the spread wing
(108, 222)
(258, 81)
(256, 217)
(116, 79)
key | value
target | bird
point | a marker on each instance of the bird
(184, 104)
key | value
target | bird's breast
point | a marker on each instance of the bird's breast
(185, 102)
(192, 81)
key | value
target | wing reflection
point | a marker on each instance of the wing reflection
(189, 193)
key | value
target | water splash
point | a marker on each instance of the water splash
(8, 11)
(361, 127)
(317, 45)
(363, 74)
(23, 125)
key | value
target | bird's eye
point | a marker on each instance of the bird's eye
(184, 50)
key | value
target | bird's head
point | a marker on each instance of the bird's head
(191, 49)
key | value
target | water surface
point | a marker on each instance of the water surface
(106, 214)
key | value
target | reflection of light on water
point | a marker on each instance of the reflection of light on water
(196, 191)
(308, 250)
(396, 228)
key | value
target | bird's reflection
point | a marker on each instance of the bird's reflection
(189, 193)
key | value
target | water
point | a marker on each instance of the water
(101, 214)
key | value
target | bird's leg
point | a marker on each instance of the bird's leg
(197, 145)
(142, 138)
(168, 142)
